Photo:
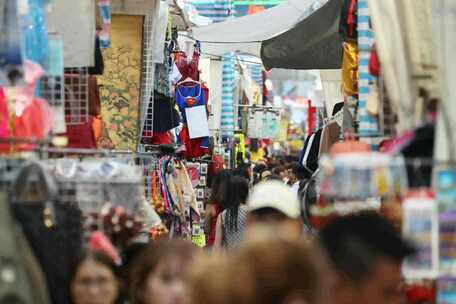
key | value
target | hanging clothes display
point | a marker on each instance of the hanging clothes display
(188, 97)
(178, 198)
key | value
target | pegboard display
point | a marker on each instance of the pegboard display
(147, 79)
(52, 89)
(76, 92)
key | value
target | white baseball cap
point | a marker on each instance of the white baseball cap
(275, 195)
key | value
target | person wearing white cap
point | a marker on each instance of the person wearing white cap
(274, 204)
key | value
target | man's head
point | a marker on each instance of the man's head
(283, 270)
(272, 203)
(367, 253)
(280, 171)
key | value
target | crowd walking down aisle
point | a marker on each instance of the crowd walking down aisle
(262, 254)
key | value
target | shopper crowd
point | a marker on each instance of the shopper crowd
(258, 251)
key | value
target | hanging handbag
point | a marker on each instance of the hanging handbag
(54, 231)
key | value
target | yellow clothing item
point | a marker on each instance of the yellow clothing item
(258, 155)
(240, 147)
(350, 69)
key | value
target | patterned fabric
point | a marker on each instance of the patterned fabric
(233, 237)
(228, 79)
(161, 79)
(120, 84)
(104, 7)
(367, 123)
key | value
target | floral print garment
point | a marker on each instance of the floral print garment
(120, 84)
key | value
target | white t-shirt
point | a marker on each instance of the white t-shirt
(295, 188)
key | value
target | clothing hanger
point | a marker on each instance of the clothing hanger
(188, 80)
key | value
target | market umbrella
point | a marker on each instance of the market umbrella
(314, 43)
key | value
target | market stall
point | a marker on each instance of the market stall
(111, 131)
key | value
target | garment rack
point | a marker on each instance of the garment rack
(98, 152)
(257, 106)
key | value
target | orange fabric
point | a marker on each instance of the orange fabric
(349, 146)
(254, 9)
(97, 126)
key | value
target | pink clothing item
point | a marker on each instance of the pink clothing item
(100, 243)
(4, 117)
(33, 116)
(395, 145)
(5, 131)
(24, 94)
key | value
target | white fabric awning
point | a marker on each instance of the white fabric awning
(245, 34)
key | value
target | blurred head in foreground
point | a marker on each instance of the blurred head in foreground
(159, 273)
(367, 253)
(273, 204)
(94, 279)
(266, 270)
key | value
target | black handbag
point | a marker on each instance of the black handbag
(53, 230)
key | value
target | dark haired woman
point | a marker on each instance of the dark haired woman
(213, 207)
(232, 221)
(94, 280)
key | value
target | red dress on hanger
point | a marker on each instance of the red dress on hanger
(188, 69)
